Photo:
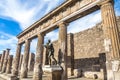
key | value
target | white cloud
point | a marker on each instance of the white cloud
(9, 42)
(85, 22)
(29, 11)
(53, 35)
(25, 12)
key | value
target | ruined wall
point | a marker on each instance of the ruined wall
(86, 48)
(88, 45)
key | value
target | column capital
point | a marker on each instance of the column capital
(104, 2)
(40, 34)
(63, 24)
(29, 40)
(8, 49)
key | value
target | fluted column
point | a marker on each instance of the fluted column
(2, 60)
(31, 62)
(63, 47)
(16, 60)
(24, 67)
(112, 40)
(110, 29)
(9, 64)
(5, 60)
(39, 58)
(20, 62)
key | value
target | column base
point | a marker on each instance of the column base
(8, 76)
(113, 70)
(52, 72)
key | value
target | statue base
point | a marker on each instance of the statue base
(53, 72)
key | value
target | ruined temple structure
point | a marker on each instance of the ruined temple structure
(93, 53)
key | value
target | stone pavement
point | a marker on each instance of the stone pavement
(82, 79)
(74, 78)
(2, 79)
(68, 79)
(6, 76)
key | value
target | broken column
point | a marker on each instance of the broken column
(5, 60)
(9, 64)
(2, 60)
(24, 67)
(37, 75)
(63, 47)
(16, 60)
(31, 62)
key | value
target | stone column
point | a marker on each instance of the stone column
(24, 67)
(0, 56)
(2, 60)
(31, 62)
(112, 40)
(110, 29)
(71, 46)
(5, 60)
(63, 47)
(9, 64)
(20, 62)
(16, 60)
(39, 58)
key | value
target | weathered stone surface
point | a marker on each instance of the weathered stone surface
(52, 72)
(20, 62)
(78, 73)
(37, 75)
(63, 47)
(2, 60)
(31, 62)
(87, 44)
(112, 37)
(110, 27)
(9, 64)
(5, 61)
(69, 11)
(24, 67)
(16, 61)
(88, 48)
(93, 75)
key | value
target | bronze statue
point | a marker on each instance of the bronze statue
(50, 53)
(60, 54)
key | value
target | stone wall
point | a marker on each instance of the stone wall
(85, 49)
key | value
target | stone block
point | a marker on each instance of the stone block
(78, 73)
(93, 75)
(52, 72)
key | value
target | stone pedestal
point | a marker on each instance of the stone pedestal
(52, 72)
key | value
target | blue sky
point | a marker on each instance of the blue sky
(17, 15)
